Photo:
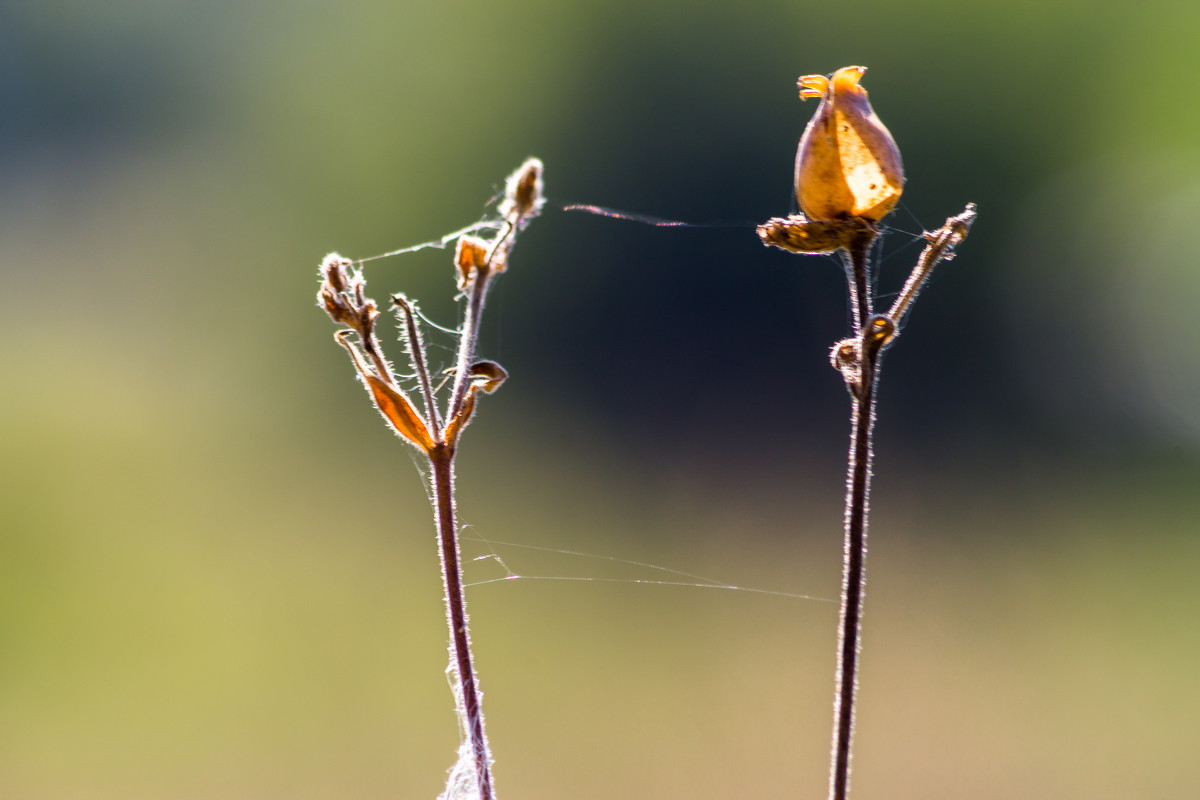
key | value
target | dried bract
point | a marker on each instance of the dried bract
(488, 375)
(798, 234)
(471, 256)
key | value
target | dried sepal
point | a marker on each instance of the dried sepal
(484, 376)
(846, 358)
(847, 164)
(393, 404)
(459, 421)
(336, 307)
(798, 234)
(398, 410)
(488, 375)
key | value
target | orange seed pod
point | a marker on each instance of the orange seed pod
(847, 164)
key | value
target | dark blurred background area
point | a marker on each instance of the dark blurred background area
(217, 570)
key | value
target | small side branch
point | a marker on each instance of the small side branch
(940, 247)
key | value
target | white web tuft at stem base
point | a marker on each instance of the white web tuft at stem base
(462, 782)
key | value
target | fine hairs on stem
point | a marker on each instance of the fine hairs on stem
(848, 177)
(435, 433)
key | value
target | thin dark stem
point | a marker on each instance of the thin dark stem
(874, 335)
(858, 277)
(467, 339)
(858, 482)
(371, 345)
(442, 461)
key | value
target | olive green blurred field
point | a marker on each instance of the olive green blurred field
(218, 577)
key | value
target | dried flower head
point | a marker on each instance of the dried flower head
(342, 295)
(847, 164)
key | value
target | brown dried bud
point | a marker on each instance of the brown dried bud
(470, 254)
(334, 294)
(367, 313)
(523, 197)
(333, 268)
(845, 355)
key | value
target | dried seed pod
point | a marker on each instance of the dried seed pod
(847, 164)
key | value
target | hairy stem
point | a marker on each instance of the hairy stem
(442, 461)
(416, 353)
(856, 258)
(858, 484)
(467, 339)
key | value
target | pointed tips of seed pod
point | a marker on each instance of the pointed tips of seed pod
(847, 78)
(812, 86)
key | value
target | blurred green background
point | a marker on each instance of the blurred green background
(217, 572)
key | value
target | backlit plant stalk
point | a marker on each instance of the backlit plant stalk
(435, 433)
(848, 177)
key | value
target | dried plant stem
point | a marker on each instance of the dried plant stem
(858, 484)
(342, 296)
(476, 292)
(416, 352)
(859, 359)
(442, 461)
(856, 260)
